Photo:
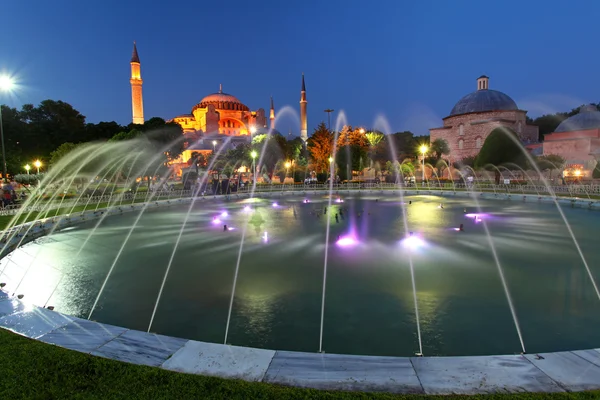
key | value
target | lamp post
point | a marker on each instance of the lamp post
(252, 131)
(423, 149)
(214, 145)
(329, 111)
(38, 164)
(6, 84)
(27, 168)
(253, 154)
(287, 168)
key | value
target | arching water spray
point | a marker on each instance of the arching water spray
(384, 124)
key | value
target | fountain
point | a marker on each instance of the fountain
(370, 272)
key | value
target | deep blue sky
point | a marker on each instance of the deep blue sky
(408, 60)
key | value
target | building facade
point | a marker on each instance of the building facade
(476, 115)
(577, 140)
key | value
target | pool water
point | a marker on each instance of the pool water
(369, 306)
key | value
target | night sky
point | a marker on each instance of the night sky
(407, 60)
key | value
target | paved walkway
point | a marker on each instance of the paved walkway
(549, 372)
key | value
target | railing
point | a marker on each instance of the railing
(128, 198)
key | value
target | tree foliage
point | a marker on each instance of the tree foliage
(61, 151)
(499, 148)
(320, 146)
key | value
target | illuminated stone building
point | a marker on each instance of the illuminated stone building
(476, 115)
(577, 140)
(218, 120)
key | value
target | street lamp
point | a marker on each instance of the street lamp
(423, 150)
(253, 154)
(252, 130)
(330, 160)
(287, 168)
(6, 85)
(362, 130)
(214, 145)
(329, 111)
(38, 164)
(27, 168)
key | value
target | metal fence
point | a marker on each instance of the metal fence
(128, 198)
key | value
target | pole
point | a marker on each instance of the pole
(423, 177)
(329, 111)
(4, 173)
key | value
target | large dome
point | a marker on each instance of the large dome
(484, 100)
(222, 101)
(220, 97)
(588, 118)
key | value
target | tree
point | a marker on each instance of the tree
(349, 136)
(101, 131)
(61, 151)
(437, 149)
(130, 135)
(374, 138)
(500, 148)
(550, 161)
(51, 124)
(320, 146)
(350, 158)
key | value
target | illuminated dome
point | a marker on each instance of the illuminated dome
(220, 97)
(588, 118)
(222, 101)
(484, 100)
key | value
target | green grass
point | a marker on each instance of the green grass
(34, 370)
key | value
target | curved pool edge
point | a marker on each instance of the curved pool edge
(545, 372)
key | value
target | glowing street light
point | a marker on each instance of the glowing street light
(27, 168)
(362, 130)
(214, 145)
(288, 164)
(38, 164)
(330, 160)
(423, 150)
(252, 130)
(6, 85)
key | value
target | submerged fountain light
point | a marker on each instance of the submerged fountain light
(413, 241)
(346, 241)
(247, 209)
(275, 204)
(216, 221)
(224, 214)
(265, 237)
(339, 200)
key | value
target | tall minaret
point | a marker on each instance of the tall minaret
(272, 114)
(137, 103)
(303, 129)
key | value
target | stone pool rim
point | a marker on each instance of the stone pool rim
(568, 371)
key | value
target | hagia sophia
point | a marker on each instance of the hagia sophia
(221, 117)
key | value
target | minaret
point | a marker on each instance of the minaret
(303, 129)
(272, 114)
(137, 103)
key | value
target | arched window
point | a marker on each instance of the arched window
(461, 130)
(520, 127)
(461, 144)
(478, 142)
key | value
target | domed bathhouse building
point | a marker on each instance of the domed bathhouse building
(577, 140)
(476, 115)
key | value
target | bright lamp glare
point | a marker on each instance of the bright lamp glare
(6, 83)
